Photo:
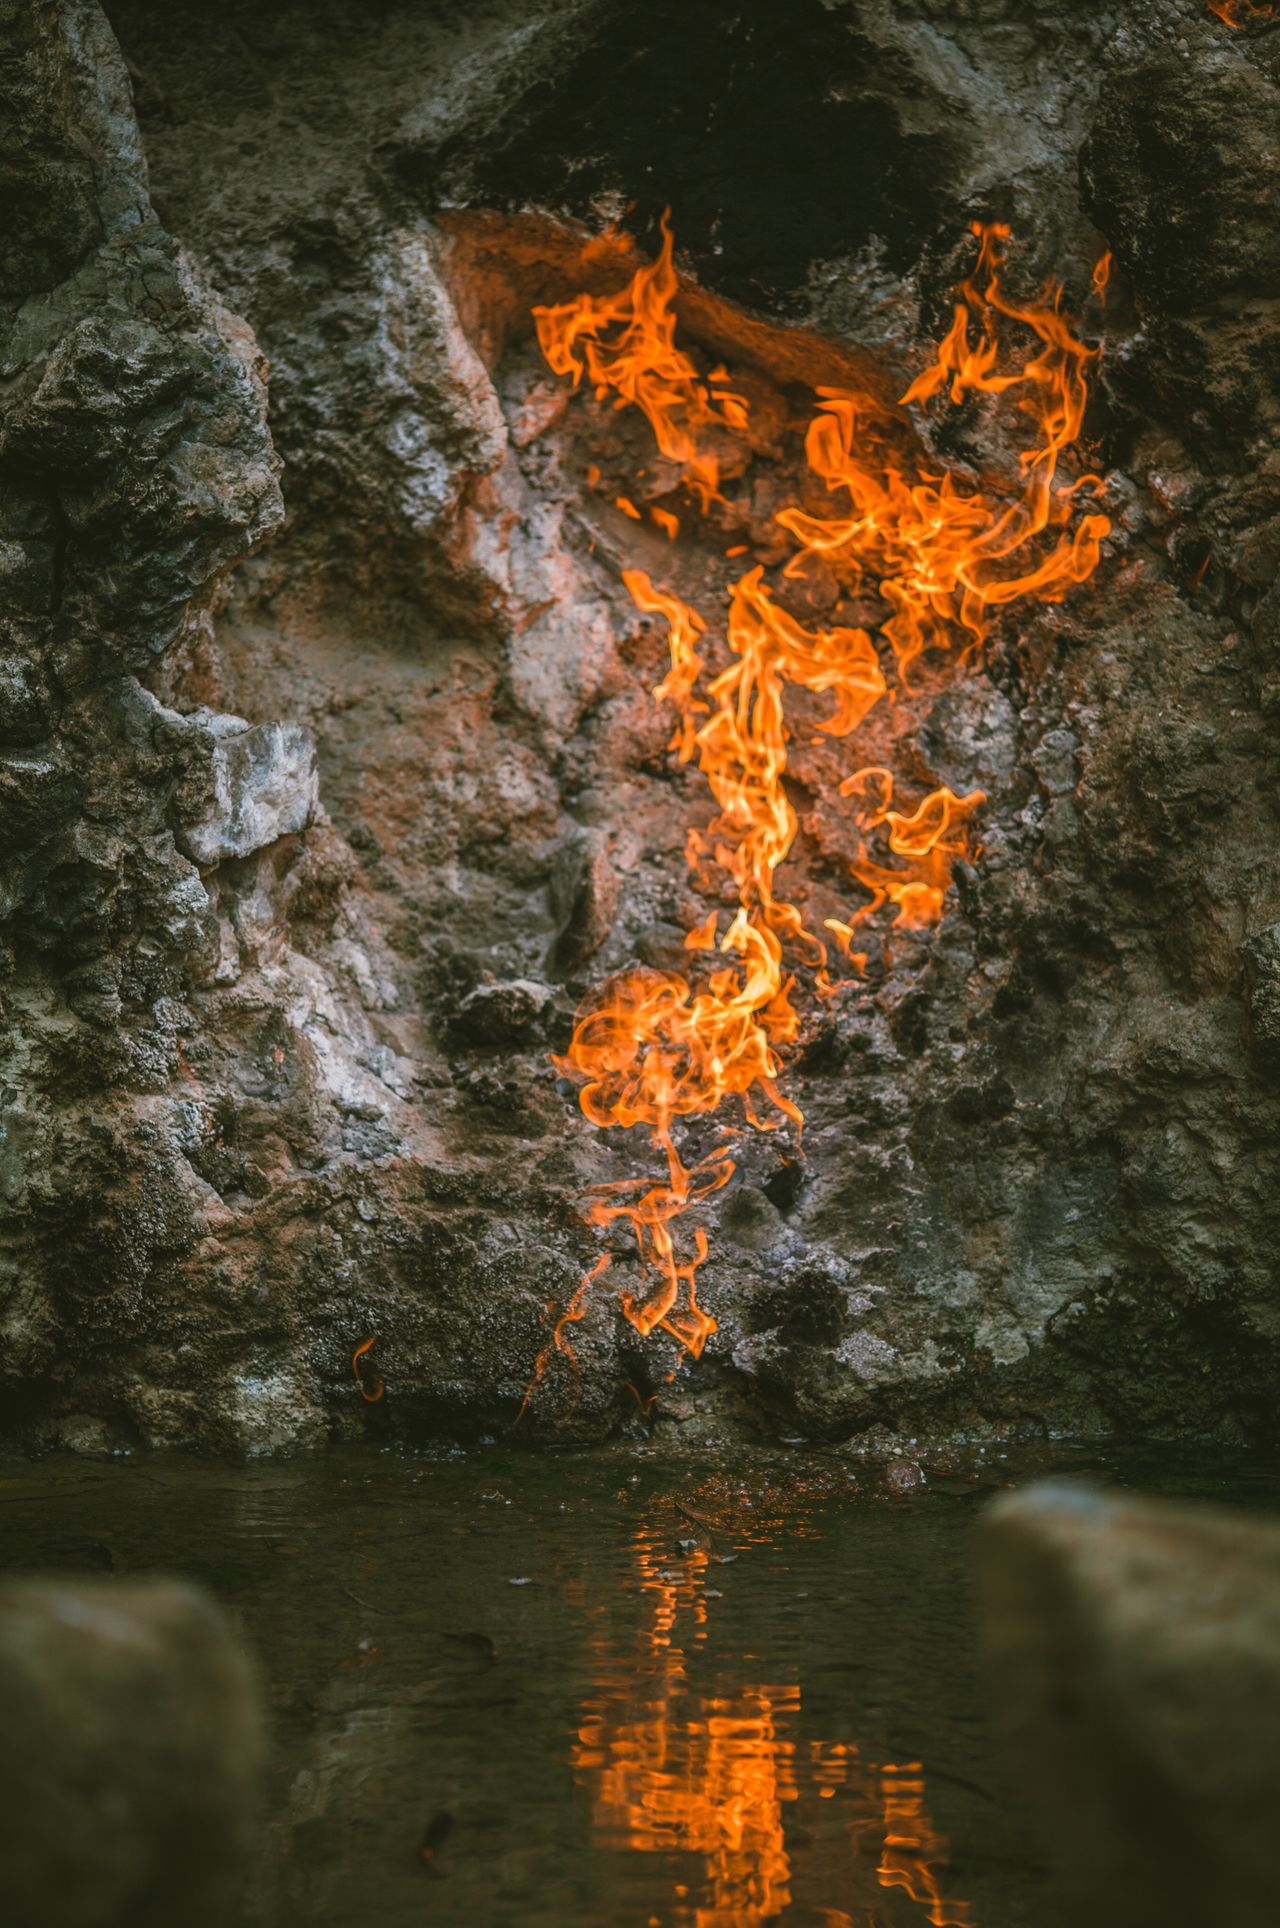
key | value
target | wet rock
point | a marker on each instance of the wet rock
(902, 1476)
(128, 1796)
(1135, 1658)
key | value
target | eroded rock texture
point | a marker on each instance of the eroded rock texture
(311, 845)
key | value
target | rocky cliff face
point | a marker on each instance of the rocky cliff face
(320, 809)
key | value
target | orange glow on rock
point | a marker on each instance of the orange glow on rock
(937, 554)
(559, 1341)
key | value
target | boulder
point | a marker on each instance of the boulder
(1134, 1650)
(129, 1778)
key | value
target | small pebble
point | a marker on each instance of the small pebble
(903, 1476)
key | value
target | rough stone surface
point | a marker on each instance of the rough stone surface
(1135, 1660)
(261, 787)
(129, 1789)
(274, 1062)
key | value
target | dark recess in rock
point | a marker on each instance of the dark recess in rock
(764, 129)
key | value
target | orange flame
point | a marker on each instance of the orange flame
(559, 1341)
(940, 554)
(932, 839)
(627, 343)
(649, 1049)
(1238, 13)
(356, 1357)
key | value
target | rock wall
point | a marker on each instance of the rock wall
(320, 811)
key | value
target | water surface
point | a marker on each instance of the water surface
(563, 1690)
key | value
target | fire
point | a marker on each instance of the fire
(932, 838)
(940, 554)
(1238, 13)
(559, 1342)
(937, 553)
(650, 1050)
(626, 344)
(372, 1395)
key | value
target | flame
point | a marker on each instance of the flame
(1238, 13)
(626, 344)
(932, 839)
(942, 554)
(1101, 275)
(574, 1310)
(648, 1050)
(356, 1357)
(939, 553)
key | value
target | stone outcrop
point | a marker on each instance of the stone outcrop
(314, 829)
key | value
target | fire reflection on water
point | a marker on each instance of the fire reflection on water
(776, 1820)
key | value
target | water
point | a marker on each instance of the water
(561, 1690)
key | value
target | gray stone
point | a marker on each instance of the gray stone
(1135, 1660)
(262, 785)
(129, 1779)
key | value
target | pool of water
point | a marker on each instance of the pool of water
(562, 1690)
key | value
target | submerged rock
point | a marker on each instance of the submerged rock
(1135, 1659)
(902, 1476)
